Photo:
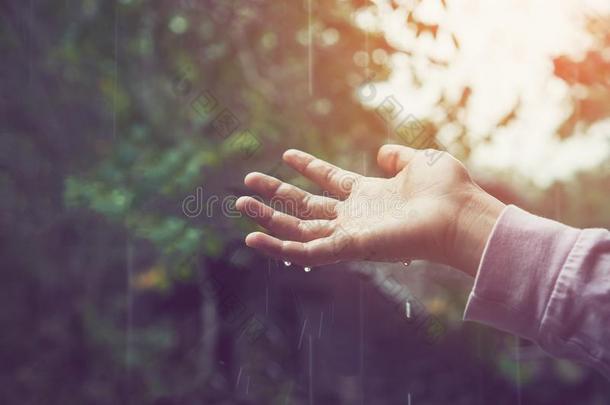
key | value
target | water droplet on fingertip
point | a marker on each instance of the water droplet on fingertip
(407, 263)
(287, 263)
(307, 269)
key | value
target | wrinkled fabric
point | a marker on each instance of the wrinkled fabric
(549, 283)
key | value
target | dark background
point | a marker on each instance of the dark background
(111, 294)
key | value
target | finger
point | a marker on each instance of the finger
(394, 158)
(291, 199)
(326, 175)
(283, 225)
(313, 253)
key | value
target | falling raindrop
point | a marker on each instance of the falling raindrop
(307, 269)
(287, 263)
(407, 263)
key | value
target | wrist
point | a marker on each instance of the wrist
(477, 216)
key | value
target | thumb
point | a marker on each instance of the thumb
(393, 158)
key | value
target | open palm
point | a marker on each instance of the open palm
(412, 214)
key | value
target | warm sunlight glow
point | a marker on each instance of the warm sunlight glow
(505, 57)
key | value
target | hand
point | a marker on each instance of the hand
(426, 209)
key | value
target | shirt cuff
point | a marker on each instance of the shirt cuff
(521, 262)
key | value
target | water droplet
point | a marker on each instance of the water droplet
(407, 263)
(287, 263)
(307, 269)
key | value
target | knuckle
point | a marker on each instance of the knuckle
(302, 230)
(308, 164)
(329, 175)
(306, 199)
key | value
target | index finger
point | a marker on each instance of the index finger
(326, 175)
